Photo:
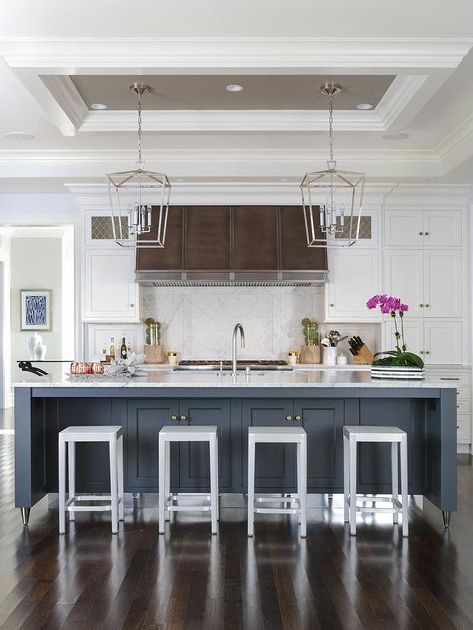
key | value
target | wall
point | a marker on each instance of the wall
(198, 322)
(36, 263)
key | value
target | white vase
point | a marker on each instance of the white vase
(33, 341)
(40, 352)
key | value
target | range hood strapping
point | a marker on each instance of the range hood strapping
(301, 278)
(243, 246)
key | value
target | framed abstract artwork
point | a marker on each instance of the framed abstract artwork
(35, 309)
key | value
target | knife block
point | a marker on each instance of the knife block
(364, 356)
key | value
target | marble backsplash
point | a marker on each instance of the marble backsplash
(198, 322)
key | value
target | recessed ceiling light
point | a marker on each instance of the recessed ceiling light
(98, 106)
(234, 87)
(365, 106)
(19, 135)
(396, 136)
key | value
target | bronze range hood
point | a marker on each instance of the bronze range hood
(209, 246)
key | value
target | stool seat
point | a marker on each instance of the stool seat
(374, 433)
(168, 501)
(188, 433)
(354, 435)
(90, 434)
(298, 502)
(273, 435)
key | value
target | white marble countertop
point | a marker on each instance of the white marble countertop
(279, 379)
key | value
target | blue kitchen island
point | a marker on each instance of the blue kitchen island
(321, 401)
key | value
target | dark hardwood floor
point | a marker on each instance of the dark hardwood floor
(189, 579)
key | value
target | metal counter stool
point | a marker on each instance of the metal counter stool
(72, 435)
(352, 435)
(167, 501)
(280, 435)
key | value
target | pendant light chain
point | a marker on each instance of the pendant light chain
(139, 128)
(330, 125)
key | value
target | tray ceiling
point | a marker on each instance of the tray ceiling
(207, 92)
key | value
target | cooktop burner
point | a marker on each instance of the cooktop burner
(262, 362)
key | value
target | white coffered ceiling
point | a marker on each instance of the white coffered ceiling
(414, 64)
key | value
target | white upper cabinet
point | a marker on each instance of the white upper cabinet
(423, 228)
(430, 281)
(403, 228)
(443, 228)
(353, 278)
(443, 283)
(404, 278)
(443, 342)
(110, 293)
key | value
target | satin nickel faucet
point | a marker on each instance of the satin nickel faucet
(238, 327)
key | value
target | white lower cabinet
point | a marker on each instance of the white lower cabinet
(354, 276)
(110, 293)
(437, 342)
(461, 377)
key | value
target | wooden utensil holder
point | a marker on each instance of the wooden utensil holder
(154, 354)
(309, 354)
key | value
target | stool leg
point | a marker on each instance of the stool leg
(302, 485)
(404, 487)
(162, 482)
(395, 477)
(213, 484)
(251, 486)
(120, 478)
(217, 475)
(113, 484)
(167, 483)
(62, 486)
(352, 487)
(346, 477)
(71, 464)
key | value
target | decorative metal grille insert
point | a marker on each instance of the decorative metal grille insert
(365, 228)
(102, 228)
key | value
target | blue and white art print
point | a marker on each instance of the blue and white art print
(35, 310)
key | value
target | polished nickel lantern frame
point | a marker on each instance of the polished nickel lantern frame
(332, 199)
(140, 196)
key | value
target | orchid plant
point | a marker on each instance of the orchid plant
(400, 356)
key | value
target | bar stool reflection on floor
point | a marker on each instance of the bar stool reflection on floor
(69, 437)
(169, 502)
(353, 435)
(279, 435)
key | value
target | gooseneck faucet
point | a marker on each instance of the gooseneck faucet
(238, 327)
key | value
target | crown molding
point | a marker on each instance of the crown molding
(245, 52)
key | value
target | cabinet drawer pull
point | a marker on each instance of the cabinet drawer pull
(183, 418)
(298, 418)
(449, 378)
(289, 418)
(173, 418)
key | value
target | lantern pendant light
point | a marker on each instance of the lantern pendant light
(139, 199)
(332, 199)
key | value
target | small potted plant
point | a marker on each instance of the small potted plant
(399, 361)
(154, 351)
(310, 352)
